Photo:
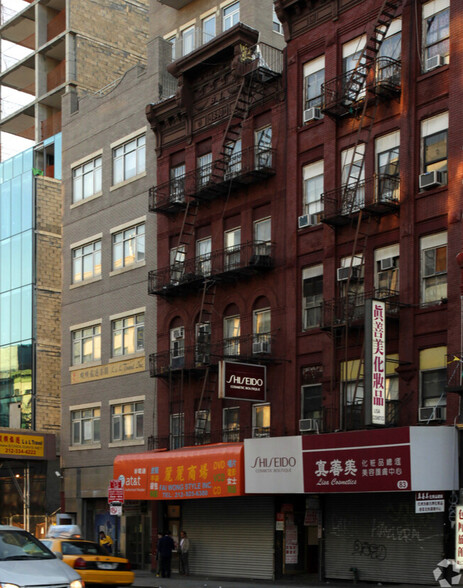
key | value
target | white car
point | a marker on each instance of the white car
(25, 562)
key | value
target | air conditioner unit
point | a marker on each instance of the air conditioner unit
(432, 413)
(386, 264)
(178, 333)
(260, 347)
(307, 425)
(308, 220)
(433, 62)
(177, 363)
(313, 113)
(431, 180)
(344, 273)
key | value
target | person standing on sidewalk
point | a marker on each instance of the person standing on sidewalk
(183, 550)
(165, 547)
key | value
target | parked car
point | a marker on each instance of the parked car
(25, 561)
(94, 564)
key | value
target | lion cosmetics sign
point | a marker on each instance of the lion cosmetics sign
(242, 381)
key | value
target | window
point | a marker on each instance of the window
(177, 263)
(276, 24)
(433, 380)
(387, 167)
(234, 163)
(388, 67)
(127, 421)
(434, 268)
(391, 44)
(202, 427)
(203, 343)
(314, 78)
(231, 339)
(203, 256)
(188, 40)
(209, 28)
(387, 271)
(85, 426)
(232, 244)
(261, 420)
(261, 331)
(128, 335)
(86, 262)
(204, 169)
(173, 40)
(129, 160)
(177, 347)
(434, 144)
(231, 425)
(177, 183)
(352, 300)
(353, 393)
(86, 345)
(86, 180)
(313, 190)
(176, 430)
(312, 296)
(262, 236)
(128, 246)
(231, 15)
(263, 147)
(351, 53)
(312, 403)
(353, 178)
(436, 30)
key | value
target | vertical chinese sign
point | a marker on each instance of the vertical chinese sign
(459, 536)
(375, 362)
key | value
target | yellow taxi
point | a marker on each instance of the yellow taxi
(94, 564)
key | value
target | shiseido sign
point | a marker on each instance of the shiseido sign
(242, 381)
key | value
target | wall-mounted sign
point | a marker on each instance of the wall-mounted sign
(375, 362)
(242, 381)
(17, 445)
(429, 502)
(109, 370)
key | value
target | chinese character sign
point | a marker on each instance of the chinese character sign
(375, 362)
(459, 535)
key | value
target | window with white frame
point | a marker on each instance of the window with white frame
(433, 381)
(276, 24)
(312, 296)
(232, 246)
(353, 178)
(433, 268)
(313, 176)
(387, 271)
(312, 403)
(391, 44)
(231, 335)
(234, 162)
(261, 331)
(436, 32)
(261, 420)
(128, 246)
(176, 430)
(86, 180)
(177, 347)
(177, 263)
(351, 52)
(231, 424)
(209, 28)
(188, 40)
(173, 41)
(86, 344)
(231, 15)
(203, 256)
(387, 167)
(434, 133)
(129, 160)
(86, 261)
(203, 343)
(314, 78)
(202, 426)
(85, 426)
(177, 183)
(351, 291)
(263, 236)
(127, 421)
(204, 169)
(263, 147)
(128, 335)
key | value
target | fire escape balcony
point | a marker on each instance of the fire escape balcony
(213, 180)
(355, 416)
(344, 94)
(378, 195)
(349, 311)
(197, 358)
(231, 263)
(454, 373)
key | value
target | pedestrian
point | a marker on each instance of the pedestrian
(158, 559)
(106, 542)
(165, 547)
(183, 550)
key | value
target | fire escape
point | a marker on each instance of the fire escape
(201, 274)
(357, 205)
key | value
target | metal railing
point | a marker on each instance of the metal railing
(350, 309)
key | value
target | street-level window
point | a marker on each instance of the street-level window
(129, 160)
(85, 426)
(128, 335)
(231, 338)
(86, 262)
(127, 421)
(86, 180)
(231, 15)
(434, 268)
(231, 425)
(436, 32)
(128, 246)
(261, 420)
(86, 345)
(209, 28)
(312, 296)
(176, 430)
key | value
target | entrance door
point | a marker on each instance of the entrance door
(138, 540)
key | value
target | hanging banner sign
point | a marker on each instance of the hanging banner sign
(375, 362)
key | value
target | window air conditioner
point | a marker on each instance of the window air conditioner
(260, 347)
(344, 273)
(177, 363)
(313, 113)
(386, 264)
(308, 220)
(431, 180)
(432, 413)
(433, 62)
(178, 333)
(307, 425)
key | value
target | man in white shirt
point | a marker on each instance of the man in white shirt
(184, 548)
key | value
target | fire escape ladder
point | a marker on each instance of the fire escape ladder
(208, 389)
(207, 301)
(185, 236)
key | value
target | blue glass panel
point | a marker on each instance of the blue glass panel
(26, 313)
(5, 265)
(17, 164)
(27, 201)
(16, 261)
(16, 309)
(5, 318)
(26, 258)
(16, 205)
(5, 210)
(8, 169)
(28, 159)
(58, 156)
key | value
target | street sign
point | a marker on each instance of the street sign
(115, 495)
(115, 483)
(115, 510)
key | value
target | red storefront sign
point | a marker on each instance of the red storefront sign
(242, 381)
(361, 461)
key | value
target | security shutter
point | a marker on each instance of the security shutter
(231, 537)
(381, 536)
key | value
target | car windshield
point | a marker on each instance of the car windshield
(21, 545)
(70, 547)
